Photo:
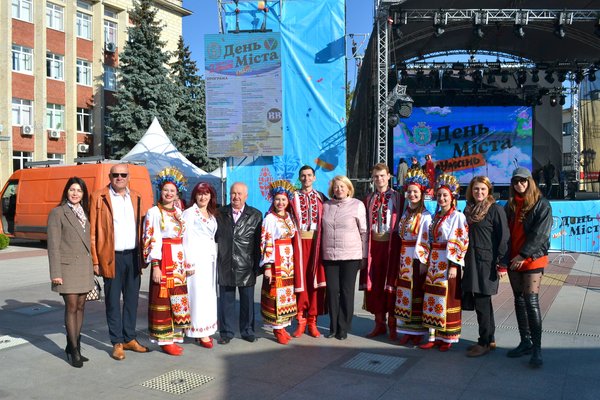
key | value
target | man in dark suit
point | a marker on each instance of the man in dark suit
(238, 238)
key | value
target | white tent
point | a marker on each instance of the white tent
(157, 152)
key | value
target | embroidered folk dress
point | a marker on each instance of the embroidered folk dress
(278, 301)
(449, 240)
(201, 255)
(168, 308)
(414, 233)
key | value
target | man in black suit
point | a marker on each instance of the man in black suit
(238, 238)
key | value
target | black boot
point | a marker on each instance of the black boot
(521, 312)
(84, 359)
(535, 323)
(73, 355)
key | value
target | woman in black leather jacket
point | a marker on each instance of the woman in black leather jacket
(530, 222)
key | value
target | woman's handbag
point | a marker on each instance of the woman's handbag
(95, 293)
(468, 301)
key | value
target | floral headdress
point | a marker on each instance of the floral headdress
(449, 182)
(171, 175)
(416, 176)
(281, 186)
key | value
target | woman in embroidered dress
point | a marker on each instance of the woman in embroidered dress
(485, 261)
(413, 230)
(448, 243)
(530, 222)
(201, 255)
(168, 305)
(70, 262)
(279, 258)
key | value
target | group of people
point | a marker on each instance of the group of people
(415, 268)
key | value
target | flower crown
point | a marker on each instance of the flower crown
(172, 175)
(416, 176)
(449, 182)
(281, 186)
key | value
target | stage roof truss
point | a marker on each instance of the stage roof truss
(486, 16)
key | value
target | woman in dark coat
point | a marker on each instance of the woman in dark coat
(485, 262)
(71, 270)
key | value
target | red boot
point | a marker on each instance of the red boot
(392, 326)
(280, 336)
(312, 326)
(379, 328)
(172, 349)
(301, 326)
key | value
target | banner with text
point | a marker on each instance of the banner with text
(243, 94)
(468, 141)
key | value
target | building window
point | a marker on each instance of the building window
(55, 16)
(20, 158)
(84, 72)
(22, 112)
(84, 120)
(22, 58)
(22, 9)
(56, 156)
(110, 32)
(84, 4)
(55, 65)
(110, 78)
(567, 128)
(84, 25)
(55, 116)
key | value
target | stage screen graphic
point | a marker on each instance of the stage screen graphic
(468, 141)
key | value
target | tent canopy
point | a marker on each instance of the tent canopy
(157, 151)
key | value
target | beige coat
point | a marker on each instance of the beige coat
(69, 251)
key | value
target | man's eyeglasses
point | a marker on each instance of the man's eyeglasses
(117, 174)
(522, 181)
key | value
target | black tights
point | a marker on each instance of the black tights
(74, 308)
(525, 283)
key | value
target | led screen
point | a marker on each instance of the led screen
(468, 141)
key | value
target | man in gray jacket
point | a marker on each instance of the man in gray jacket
(238, 238)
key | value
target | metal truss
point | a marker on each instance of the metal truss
(485, 16)
(575, 149)
(381, 122)
(447, 53)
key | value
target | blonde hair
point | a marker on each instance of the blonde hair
(344, 179)
(479, 179)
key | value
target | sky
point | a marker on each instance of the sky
(204, 20)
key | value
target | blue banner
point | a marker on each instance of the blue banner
(313, 85)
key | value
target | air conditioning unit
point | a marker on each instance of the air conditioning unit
(27, 130)
(110, 47)
(54, 134)
(83, 148)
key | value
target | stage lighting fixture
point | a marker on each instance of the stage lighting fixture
(553, 101)
(579, 77)
(562, 100)
(540, 100)
(562, 76)
(439, 22)
(403, 106)
(504, 76)
(519, 31)
(461, 74)
(403, 76)
(477, 76)
(393, 120)
(491, 79)
(521, 77)
(559, 31)
(549, 77)
(535, 78)
(396, 28)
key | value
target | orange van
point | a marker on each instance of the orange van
(30, 194)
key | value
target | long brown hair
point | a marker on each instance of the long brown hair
(476, 212)
(531, 197)
(480, 179)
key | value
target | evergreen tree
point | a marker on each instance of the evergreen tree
(145, 89)
(191, 112)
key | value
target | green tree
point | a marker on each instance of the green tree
(191, 113)
(145, 89)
